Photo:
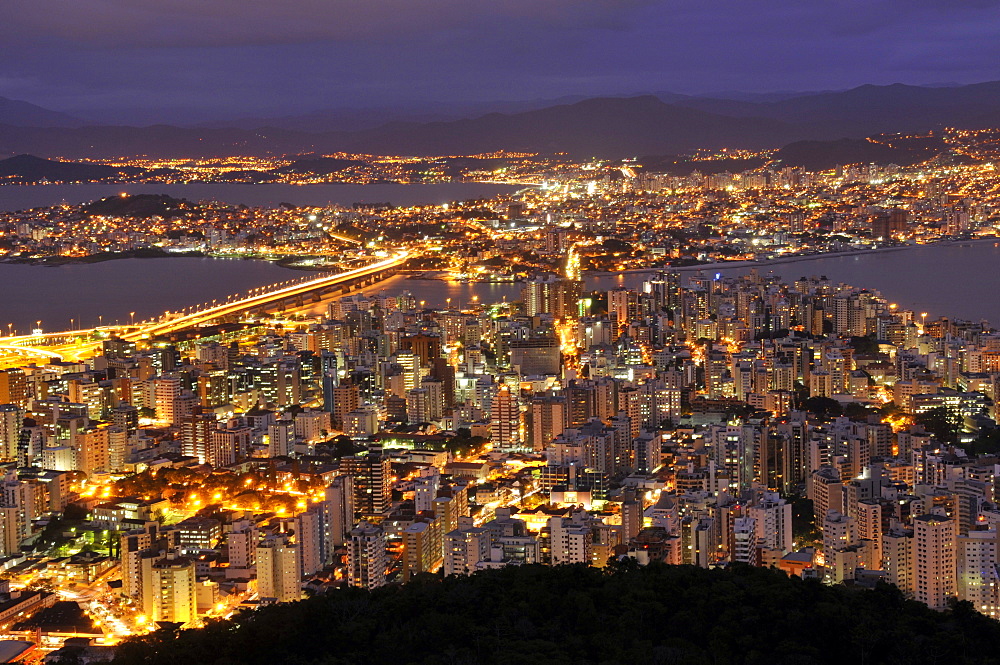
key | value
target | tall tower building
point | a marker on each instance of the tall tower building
(196, 436)
(372, 475)
(546, 419)
(11, 420)
(505, 420)
(339, 513)
(773, 517)
(934, 560)
(279, 571)
(166, 394)
(976, 575)
(366, 559)
(14, 387)
(172, 585)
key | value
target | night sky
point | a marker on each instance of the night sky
(191, 59)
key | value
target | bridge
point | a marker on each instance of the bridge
(273, 298)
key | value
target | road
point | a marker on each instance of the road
(76, 344)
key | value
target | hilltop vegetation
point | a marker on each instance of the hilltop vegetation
(570, 615)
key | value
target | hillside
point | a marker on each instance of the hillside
(28, 168)
(141, 206)
(574, 615)
(822, 155)
(23, 114)
(609, 127)
(872, 109)
(605, 127)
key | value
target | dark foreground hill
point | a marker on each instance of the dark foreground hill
(573, 615)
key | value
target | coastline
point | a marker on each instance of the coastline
(728, 265)
(101, 257)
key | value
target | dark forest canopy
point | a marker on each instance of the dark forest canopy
(576, 614)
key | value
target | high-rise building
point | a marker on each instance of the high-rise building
(897, 559)
(934, 560)
(196, 436)
(623, 306)
(745, 548)
(11, 421)
(545, 420)
(14, 387)
(571, 539)
(279, 571)
(366, 560)
(171, 583)
(346, 398)
(338, 513)
(537, 356)
(372, 475)
(552, 295)
(977, 579)
(773, 517)
(464, 548)
(422, 546)
(17, 510)
(505, 420)
(166, 395)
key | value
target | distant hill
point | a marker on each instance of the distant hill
(606, 127)
(141, 206)
(28, 168)
(674, 165)
(319, 165)
(157, 140)
(872, 109)
(357, 119)
(24, 114)
(824, 155)
(578, 615)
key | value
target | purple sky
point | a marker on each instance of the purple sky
(275, 57)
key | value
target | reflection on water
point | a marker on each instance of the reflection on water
(91, 293)
(960, 281)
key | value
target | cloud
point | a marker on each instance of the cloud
(187, 23)
(246, 57)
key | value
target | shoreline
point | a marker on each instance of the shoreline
(730, 265)
(289, 261)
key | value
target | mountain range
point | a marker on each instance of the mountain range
(662, 123)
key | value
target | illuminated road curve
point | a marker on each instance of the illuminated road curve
(261, 300)
(70, 343)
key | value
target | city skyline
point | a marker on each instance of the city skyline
(424, 336)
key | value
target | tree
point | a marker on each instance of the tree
(987, 443)
(343, 446)
(823, 406)
(944, 423)
(857, 411)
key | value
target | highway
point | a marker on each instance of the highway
(174, 324)
(76, 344)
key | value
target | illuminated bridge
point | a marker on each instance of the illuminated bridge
(273, 298)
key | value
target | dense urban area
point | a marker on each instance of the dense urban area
(171, 472)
